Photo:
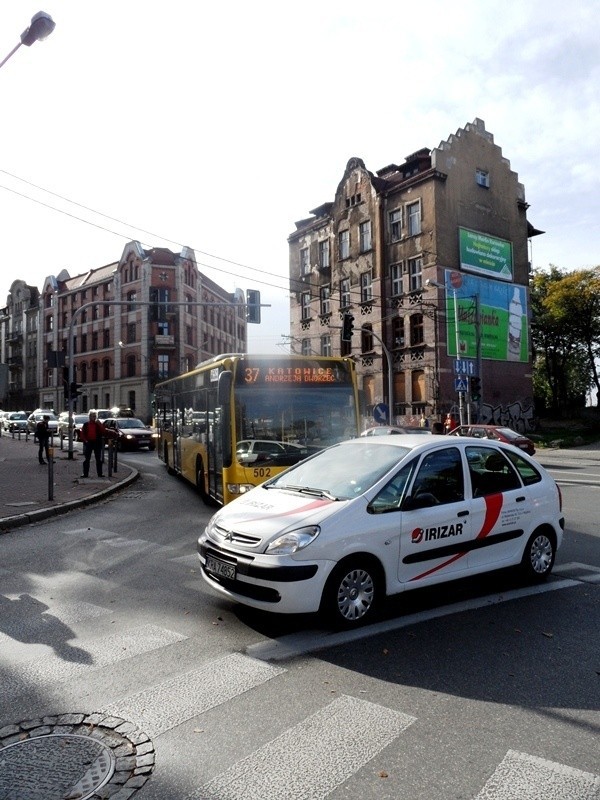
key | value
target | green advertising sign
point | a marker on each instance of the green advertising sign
(486, 254)
(502, 321)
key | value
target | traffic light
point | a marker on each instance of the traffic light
(253, 306)
(76, 389)
(347, 327)
(475, 388)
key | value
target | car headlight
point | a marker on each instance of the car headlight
(239, 488)
(293, 541)
(129, 436)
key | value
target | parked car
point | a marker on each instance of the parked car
(498, 432)
(390, 430)
(63, 425)
(375, 516)
(131, 433)
(38, 415)
(14, 421)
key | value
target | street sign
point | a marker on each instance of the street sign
(380, 412)
(465, 366)
(461, 383)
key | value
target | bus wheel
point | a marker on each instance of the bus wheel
(200, 485)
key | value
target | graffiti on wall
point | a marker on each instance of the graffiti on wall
(520, 415)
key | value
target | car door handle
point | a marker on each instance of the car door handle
(464, 513)
(520, 499)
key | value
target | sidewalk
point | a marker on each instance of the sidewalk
(24, 484)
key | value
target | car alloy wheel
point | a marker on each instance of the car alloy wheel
(538, 558)
(351, 594)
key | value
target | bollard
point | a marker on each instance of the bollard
(51, 473)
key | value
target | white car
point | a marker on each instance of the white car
(375, 516)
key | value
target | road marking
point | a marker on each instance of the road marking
(175, 701)
(72, 661)
(312, 758)
(312, 641)
(585, 573)
(532, 778)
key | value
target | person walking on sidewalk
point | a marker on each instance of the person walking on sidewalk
(42, 434)
(93, 433)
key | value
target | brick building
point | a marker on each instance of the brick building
(147, 317)
(430, 257)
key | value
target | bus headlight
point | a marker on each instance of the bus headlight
(293, 541)
(239, 488)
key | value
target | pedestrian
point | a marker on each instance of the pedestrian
(423, 422)
(92, 434)
(449, 423)
(42, 434)
(437, 428)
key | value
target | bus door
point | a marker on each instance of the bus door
(177, 424)
(219, 447)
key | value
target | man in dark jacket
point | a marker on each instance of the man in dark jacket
(42, 434)
(92, 436)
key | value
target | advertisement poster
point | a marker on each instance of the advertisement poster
(501, 324)
(485, 254)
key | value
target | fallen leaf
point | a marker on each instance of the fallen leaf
(547, 634)
(385, 651)
(383, 774)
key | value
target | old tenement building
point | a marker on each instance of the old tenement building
(411, 251)
(147, 317)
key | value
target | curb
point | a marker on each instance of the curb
(18, 520)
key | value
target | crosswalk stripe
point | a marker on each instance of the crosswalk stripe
(175, 701)
(311, 758)
(520, 775)
(72, 661)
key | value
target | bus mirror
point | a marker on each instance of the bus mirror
(224, 402)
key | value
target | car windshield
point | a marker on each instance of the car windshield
(18, 416)
(342, 471)
(130, 423)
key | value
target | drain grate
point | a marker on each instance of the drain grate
(73, 757)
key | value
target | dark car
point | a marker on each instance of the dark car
(15, 421)
(131, 433)
(498, 432)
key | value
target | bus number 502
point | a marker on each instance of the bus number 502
(262, 472)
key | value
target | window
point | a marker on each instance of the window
(130, 366)
(398, 332)
(395, 218)
(304, 261)
(162, 328)
(163, 365)
(83, 372)
(131, 331)
(325, 300)
(106, 337)
(345, 293)
(131, 296)
(366, 288)
(305, 347)
(305, 300)
(106, 370)
(490, 472)
(324, 254)
(84, 342)
(396, 279)
(326, 345)
(366, 339)
(439, 479)
(416, 330)
(413, 212)
(344, 244)
(94, 370)
(365, 236)
(415, 273)
(483, 178)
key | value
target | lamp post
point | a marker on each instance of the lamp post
(40, 28)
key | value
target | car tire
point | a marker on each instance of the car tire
(352, 593)
(539, 555)
(170, 469)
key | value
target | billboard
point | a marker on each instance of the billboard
(485, 254)
(503, 323)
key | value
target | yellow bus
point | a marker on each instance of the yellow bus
(238, 419)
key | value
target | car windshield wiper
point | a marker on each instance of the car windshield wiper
(306, 490)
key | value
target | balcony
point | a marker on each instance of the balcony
(164, 341)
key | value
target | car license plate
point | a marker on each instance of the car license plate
(220, 568)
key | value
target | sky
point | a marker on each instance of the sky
(218, 125)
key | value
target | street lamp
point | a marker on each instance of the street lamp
(40, 28)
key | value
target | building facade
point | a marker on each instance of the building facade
(125, 326)
(430, 258)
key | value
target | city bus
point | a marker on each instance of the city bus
(238, 419)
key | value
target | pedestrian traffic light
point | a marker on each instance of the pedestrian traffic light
(253, 306)
(475, 388)
(76, 389)
(347, 327)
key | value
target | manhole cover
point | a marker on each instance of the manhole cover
(55, 767)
